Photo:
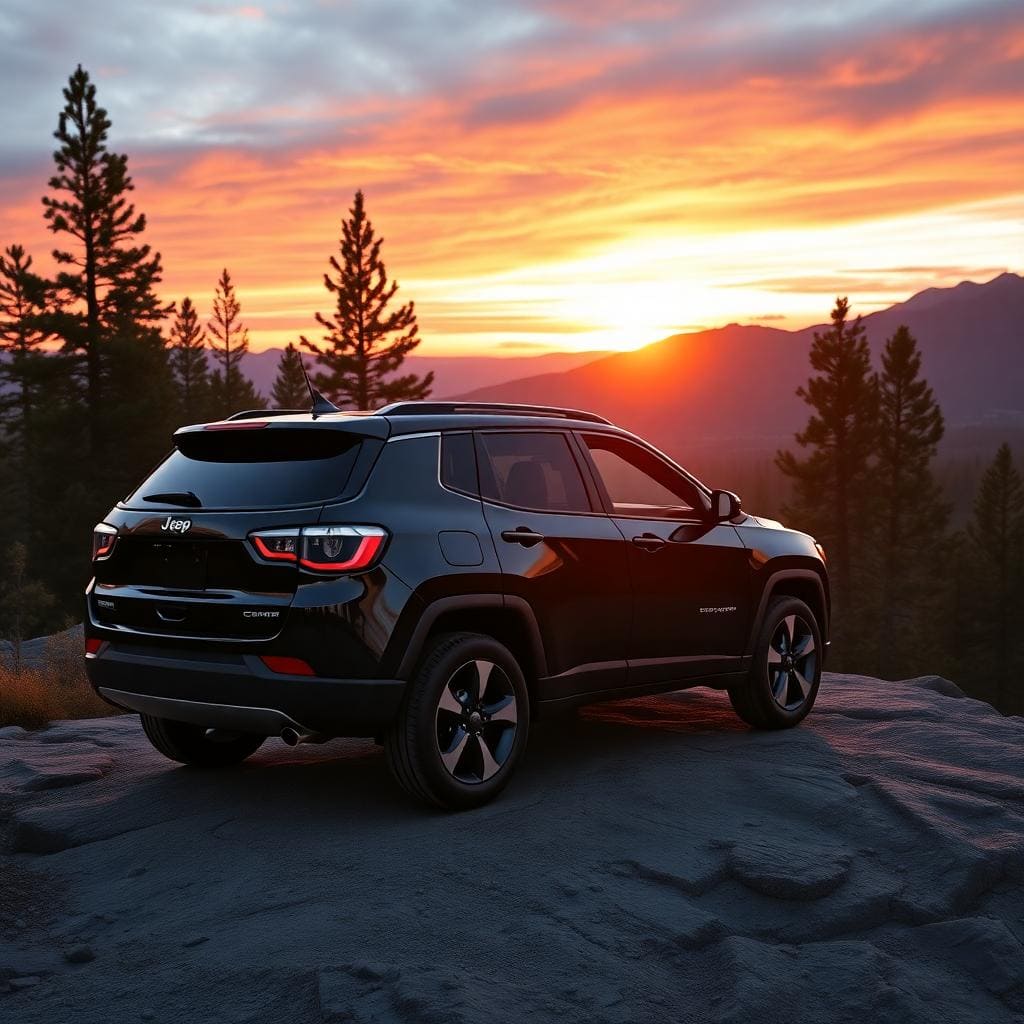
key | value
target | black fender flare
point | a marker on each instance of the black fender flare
(511, 603)
(767, 592)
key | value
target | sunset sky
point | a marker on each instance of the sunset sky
(547, 174)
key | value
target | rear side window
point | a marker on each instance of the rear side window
(458, 463)
(531, 470)
(264, 468)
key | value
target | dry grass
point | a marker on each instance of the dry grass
(57, 689)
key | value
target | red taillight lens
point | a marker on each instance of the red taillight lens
(341, 548)
(104, 537)
(327, 549)
(287, 666)
(277, 545)
(92, 646)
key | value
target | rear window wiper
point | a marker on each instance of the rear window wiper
(187, 499)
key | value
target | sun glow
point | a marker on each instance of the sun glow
(673, 169)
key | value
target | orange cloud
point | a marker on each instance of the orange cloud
(582, 196)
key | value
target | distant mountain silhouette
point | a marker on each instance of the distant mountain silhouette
(736, 383)
(452, 374)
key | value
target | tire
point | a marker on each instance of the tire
(195, 745)
(452, 746)
(783, 681)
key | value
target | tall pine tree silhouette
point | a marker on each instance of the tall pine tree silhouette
(229, 340)
(22, 312)
(99, 430)
(909, 514)
(365, 343)
(107, 288)
(188, 360)
(831, 484)
(996, 536)
(289, 390)
(26, 374)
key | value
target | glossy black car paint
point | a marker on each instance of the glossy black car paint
(593, 604)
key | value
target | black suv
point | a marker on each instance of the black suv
(436, 575)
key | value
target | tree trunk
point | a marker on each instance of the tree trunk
(94, 380)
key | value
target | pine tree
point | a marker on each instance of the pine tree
(108, 290)
(909, 516)
(996, 536)
(26, 374)
(290, 390)
(231, 390)
(22, 305)
(105, 310)
(188, 361)
(831, 484)
(365, 343)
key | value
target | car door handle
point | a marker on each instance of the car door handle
(649, 542)
(522, 535)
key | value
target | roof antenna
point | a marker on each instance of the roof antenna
(321, 405)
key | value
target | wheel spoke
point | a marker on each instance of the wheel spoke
(504, 711)
(804, 647)
(790, 623)
(483, 677)
(449, 702)
(453, 754)
(774, 656)
(780, 684)
(805, 686)
(489, 765)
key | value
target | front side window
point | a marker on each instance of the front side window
(531, 470)
(640, 484)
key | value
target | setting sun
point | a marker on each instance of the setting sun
(667, 171)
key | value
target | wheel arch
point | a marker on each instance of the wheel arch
(804, 584)
(505, 617)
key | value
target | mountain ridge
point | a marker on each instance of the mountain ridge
(738, 382)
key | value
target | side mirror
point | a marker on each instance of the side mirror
(724, 506)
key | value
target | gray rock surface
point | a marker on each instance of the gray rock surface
(654, 860)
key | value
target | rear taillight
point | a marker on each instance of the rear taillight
(92, 646)
(277, 545)
(327, 549)
(104, 537)
(341, 548)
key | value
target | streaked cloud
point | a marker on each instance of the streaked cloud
(553, 173)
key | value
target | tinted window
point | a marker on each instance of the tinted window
(531, 471)
(253, 469)
(458, 463)
(639, 483)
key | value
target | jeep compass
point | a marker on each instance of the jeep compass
(437, 576)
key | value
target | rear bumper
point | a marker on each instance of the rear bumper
(238, 691)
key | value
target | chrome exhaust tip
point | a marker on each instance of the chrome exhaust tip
(293, 737)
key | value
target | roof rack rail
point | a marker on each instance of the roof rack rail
(255, 414)
(511, 408)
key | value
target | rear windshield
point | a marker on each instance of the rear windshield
(258, 469)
